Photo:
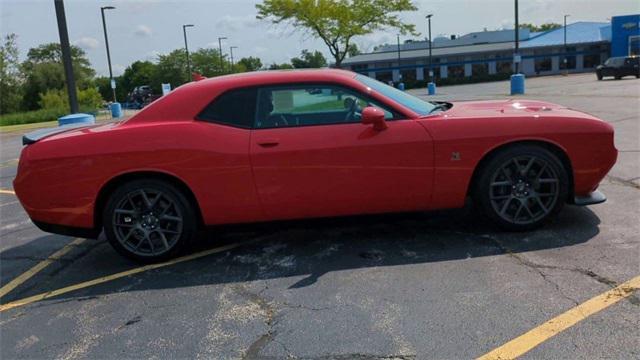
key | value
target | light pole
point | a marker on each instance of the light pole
(399, 72)
(231, 52)
(220, 48)
(66, 55)
(186, 49)
(516, 59)
(106, 42)
(566, 67)
(430, 42)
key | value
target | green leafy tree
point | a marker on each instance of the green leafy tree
(56, 99)
(170, 69)
(337, 22)
(353, 50)
(249, 64)
(207, 62)
(137, 74)
(283, 66)
(44, 71)
(309, 59)
(543, 27)
(10, 76)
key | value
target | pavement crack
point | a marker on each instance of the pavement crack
(361, 356)
(253, 351)
(623, 182)
(633, 299)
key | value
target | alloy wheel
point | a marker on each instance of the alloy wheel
(524, 189)
(147, 222)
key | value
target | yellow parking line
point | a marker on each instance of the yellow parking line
(4, 191)
(542, 333)
(41, 265)
(108, 278)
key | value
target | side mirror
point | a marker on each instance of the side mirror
(374, 116)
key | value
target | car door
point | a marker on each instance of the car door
(312, 157)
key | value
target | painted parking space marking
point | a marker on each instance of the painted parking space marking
(9, 192)
(542, 333)
(39, 267)
(104, 279)
(9, 203)
(8, 163)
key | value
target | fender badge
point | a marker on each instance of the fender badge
(455, 156)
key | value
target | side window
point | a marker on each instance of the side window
(311, 105)
(235, 108)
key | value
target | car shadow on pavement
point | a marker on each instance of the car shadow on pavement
(304, 251)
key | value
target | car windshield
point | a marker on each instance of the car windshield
(417, 105)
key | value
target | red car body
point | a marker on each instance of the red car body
(238, 175)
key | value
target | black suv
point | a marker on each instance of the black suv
(619, 67)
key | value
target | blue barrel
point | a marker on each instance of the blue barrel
(517, 84)
(79, 118)
(431, 87)
(116, 110)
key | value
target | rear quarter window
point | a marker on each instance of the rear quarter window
(234, 108)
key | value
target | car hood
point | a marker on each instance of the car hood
(506, 107)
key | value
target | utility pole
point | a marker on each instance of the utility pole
(186, 49)
(517, 53)
(66, 55)
(231, 52)
(106, 42)
(565, 60)
(220, 48)
(430, 44)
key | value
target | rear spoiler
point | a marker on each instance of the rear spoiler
(35, 136)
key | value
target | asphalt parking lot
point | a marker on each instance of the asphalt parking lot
(426, 285)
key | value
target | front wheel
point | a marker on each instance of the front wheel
(149, 220)
(522, 187)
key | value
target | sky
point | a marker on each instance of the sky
(142, 29)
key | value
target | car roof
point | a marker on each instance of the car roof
(266, 77)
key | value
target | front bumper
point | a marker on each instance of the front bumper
(596, 197)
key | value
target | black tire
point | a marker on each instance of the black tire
(599, 76)
(146, 212)
(508, 183)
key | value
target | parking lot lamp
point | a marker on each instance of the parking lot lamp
(66, 55)
(430, 44)
(565, 60)
(106, 43)
(517, 79)
(186, 49)
(220, 49)
(231, 53)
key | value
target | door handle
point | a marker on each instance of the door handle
(268, 142)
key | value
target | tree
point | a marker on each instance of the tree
(44, 71)
(309, 59)
(10, 76)
(353, 50)
(207, 62)
(283, 66)
(337, 22)
(170, 69)
(543, 27)
(249, 64)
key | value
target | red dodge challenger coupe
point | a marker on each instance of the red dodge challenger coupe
(299, 144)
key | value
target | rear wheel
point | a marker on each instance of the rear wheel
(522, 187)
(149, 220)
